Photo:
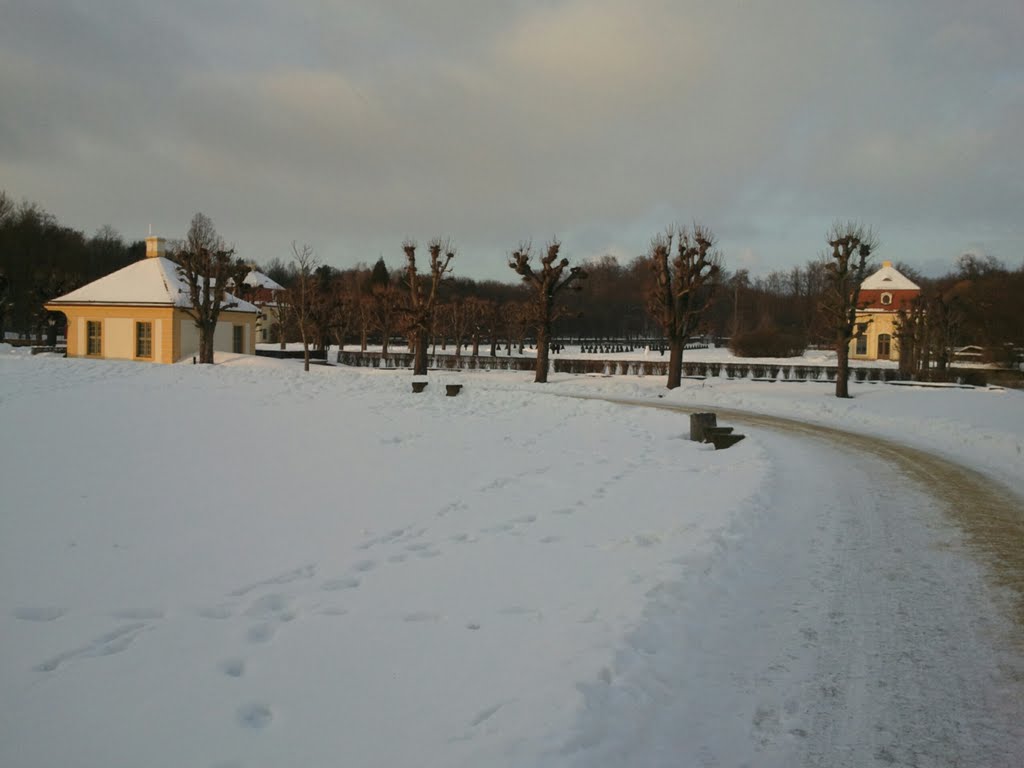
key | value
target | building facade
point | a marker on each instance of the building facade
(882, 296)
(139, 313)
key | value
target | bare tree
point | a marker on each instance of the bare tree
(912, 337)
(852, 246)
(684, 288)
(385, 303)
(207, 266)
(548, 283)
(461, 321)
(303, 295)
(476, 311)
(423, 295)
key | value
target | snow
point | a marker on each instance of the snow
(256, 279)
(246, 565)
(889, 278)
(150, 281)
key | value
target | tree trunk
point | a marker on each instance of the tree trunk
(842, 367)
(476, 344)
(305, 353)
(419, 366)
(543, 335)
(205, 345)
(675, 363)
(362, 339)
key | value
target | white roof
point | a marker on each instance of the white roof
(258, 280)
(888, 278)
(149, 282)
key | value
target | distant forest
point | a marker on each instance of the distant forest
(778, 313)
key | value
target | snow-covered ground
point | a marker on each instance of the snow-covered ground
(247, 565)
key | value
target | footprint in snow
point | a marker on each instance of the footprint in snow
(275, 606)
(233, 667)
(486, 714)
(334, 585)
(38, 613)
(112, 642)
(296, 574)
(261, 633)
(255, 715)
(365, 565)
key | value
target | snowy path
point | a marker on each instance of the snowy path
(856, 625)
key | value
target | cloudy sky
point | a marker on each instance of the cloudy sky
(354, 124)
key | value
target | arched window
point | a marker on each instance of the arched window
(886, 299)
(884, 346)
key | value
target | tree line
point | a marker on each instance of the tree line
(678, 289)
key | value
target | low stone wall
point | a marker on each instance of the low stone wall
(443, 361)
(735, 370)
(293, 354)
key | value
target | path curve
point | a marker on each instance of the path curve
(871, 614)
(990, 513)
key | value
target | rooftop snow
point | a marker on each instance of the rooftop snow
(153, 281)
(257, 279)
(889, 278)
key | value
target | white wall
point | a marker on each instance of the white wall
(223, 338)
(189, 335)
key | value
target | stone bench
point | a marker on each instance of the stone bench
(704, 429)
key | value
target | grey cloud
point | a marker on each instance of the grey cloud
(353, 126)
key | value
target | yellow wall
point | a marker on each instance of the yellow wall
(175, 336)
(878, 323)
(118, 334)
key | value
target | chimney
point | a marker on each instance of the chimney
(886, 263)
(155, 247)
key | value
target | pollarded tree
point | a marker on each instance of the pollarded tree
(684, 288)
(423, 296)
(548, 283)
(207, 266)
(852, 246)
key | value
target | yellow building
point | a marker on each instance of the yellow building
(138, 313)
(882, 295)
